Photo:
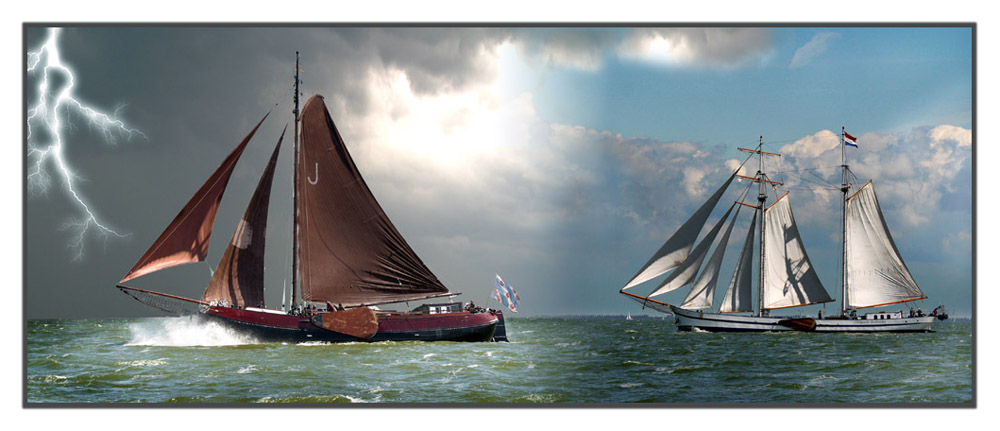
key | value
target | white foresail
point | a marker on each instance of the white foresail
(686, 271)
(789, 278)
(876, 274)
(738, 296)
(702, 294)
(676, 249)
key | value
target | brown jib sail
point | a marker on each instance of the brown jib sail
(350, 253)
(185, 240)
(239, 278)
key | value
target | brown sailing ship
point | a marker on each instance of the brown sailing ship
(348, 258)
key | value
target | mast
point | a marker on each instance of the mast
(843, 222)
(295, 187)
(761, 180)
(761, 197)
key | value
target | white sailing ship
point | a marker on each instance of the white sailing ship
(874, 274)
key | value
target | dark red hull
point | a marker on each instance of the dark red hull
(274, 327)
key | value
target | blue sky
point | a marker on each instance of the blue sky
(560, 158)
(885, 79)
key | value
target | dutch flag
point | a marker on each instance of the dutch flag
(850, 140)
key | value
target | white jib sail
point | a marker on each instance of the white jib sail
(702, 294)
(676, 249)
(686, 271)
(789, 278)
(738, 296)
(876, 274)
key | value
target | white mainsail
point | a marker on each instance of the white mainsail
(876, 274)
(738, 297)
(686, 271)
(675, 251)
(702, 294)
(789, 278)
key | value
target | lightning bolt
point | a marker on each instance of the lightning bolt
(45, 154)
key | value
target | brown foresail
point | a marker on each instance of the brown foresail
(239, 278)
(350, 253)
(185, 240)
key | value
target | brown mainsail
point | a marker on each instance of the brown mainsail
(239, 278)
(185, 240)
(350, 253)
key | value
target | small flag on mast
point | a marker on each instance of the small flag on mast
(850, 140)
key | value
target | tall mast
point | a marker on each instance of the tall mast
(761, 197)
(761, 179)
(295, 187)
(843, 222)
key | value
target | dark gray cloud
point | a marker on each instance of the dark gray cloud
(584, 48)
(700, 47)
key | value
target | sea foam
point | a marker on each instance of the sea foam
(184, 331)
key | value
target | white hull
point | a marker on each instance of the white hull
(906, 324)
(688, 320)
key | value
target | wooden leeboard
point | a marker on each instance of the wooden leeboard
(357, 322)
(803, 324)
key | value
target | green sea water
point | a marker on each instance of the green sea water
(549, 360)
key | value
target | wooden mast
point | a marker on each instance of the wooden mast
(295, 187)
(761, 180)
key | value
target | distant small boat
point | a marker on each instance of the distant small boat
(628, 316)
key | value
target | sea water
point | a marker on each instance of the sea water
(548, 360)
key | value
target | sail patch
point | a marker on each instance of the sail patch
(243, 236)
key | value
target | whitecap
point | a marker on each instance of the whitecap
(184, 331)
(142, 363)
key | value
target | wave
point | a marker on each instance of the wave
(143, 363)
(185, 331)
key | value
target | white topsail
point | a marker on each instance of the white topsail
(789, 278)
(675, 251)
(703, 292)
(876, 272)
(686, 271)
(738, 296)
